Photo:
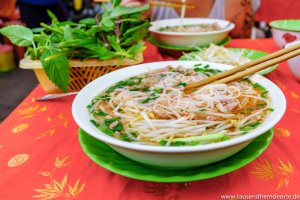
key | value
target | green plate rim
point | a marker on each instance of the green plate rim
(294, 24)
(153, 41)
(247, 51)
(91, 147)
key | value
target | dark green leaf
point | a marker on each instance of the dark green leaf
(99, 113)
(57, 69)
(103, 129)
(88, 21)
(114, 42)
(40, 38)
(115, 2)
(66, 23)
(52, 16)
(37, 30)
(68, 33)
(124, 10)
(182, 84)
(135, 49)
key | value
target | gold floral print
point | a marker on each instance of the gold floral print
(265, 170)
(279, 84)
(295, 95)
(296, 110)
(19, 128)
(61, 163)
(31, 111)
(59, 120)
(49, 132)
(56, 188)
(282, 132)
(18, 160)
(281, 172)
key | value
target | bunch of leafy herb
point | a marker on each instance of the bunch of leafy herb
(117, 33)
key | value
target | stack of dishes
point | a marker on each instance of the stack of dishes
(148, 162)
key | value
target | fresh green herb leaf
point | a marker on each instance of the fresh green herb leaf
(88, 21)
(52, 16)
(261, 104)
(56, 69)
(264, 94)
(130, 82)
(117, 127)
(271, 109)
(250, 126)
(126, 138)
(182, 84)
(149, 99)
(109, 121)
(197, 65)
(158, 90)
(204, 70)
(99, 113)
(18, 35)
(103, 129)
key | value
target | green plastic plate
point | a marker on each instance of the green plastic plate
(248, 53)
(107, 158)
(227, 40)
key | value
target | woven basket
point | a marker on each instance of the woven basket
(81, 72)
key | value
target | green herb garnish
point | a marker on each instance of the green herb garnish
(182, 84)
(250, 126)
(117, 33)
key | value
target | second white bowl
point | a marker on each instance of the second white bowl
(189, 39)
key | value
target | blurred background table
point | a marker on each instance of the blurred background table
(41, 158)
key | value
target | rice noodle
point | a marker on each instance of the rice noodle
(164, 112)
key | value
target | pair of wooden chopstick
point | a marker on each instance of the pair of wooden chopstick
(165, 3)
(169, 3)
(247, 69)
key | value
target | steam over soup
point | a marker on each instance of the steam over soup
(152, 108)
(192, 28)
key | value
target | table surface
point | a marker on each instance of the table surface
(270, 10)
(41, 158)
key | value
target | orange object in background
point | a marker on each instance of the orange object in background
(7, 8)
(270, 10)
(7, 62)
(77, 5)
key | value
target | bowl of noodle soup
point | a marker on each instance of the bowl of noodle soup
(190, 32)
(142, 112)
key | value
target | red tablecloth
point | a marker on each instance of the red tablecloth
(270, 10)
(41, 158)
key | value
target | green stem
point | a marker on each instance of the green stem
(55, 56)
(34, 49)
(54, 30)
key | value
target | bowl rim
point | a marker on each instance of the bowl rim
(274, 24)
(292, 43)
(82, 118)
(153, 29)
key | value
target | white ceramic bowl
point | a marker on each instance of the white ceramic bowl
(171, 157)
(188, 39)
(294, 63)
(285, 31)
